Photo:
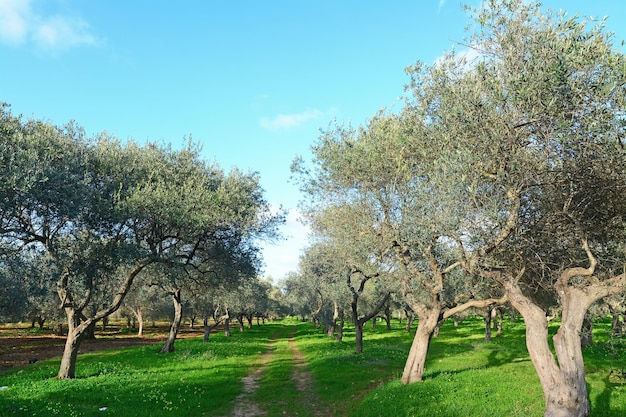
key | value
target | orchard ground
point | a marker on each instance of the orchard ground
(290, 368)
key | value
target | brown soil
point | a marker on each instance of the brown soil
(20, 347)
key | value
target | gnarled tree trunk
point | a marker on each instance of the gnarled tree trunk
(78, 324)
(75, 335)
(563, 378)
(426, 324)
(178, 316)
(563, 384)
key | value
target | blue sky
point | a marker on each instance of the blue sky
(253, 81)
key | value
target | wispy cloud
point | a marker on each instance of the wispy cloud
(441, 3)
(20, 25)
(288, 121)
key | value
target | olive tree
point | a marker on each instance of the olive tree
(394, 174)
(104, 211)
(529, 124)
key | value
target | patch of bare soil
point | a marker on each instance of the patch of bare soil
(19, 348)
(244, 405)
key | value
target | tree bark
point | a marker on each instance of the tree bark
(358, 333)
(240, 322)
(500, 322)
(487, 319)
(227, 324)
(178, 316)
(427, 320)
(75, 335)
(139, 315)
(563, 383)
(339, 336)
(410, 316)
(90, 331)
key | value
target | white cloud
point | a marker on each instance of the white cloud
(20, 24)
(60, 32)
(283, 257)
(441, 3)
(287, 121)
(14, 17)
(467, 58)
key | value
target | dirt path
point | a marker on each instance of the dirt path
(245, 406)
(304, 381)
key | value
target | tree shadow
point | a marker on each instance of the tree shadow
(601, 404)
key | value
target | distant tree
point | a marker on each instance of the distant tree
(13, 295)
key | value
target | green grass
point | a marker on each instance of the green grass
(464, 376)
(199, 379)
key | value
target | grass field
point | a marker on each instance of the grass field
(464, 376)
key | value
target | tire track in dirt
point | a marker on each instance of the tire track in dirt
(245, 406)
(303, 380)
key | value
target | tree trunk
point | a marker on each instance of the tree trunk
(208, 329)
(241, 323)
(358, 332)
(90, 331)
(409, 322)
(360, 322)
(178, 316)
(563, 384)
(426, 324)
(227, 324)
(77, 323)
(75, 335)
(70, 353)
(617, 325)
(339, 336)
(487, 319)
(329, 329)
(387, 317)
(139, 315)
(436, 331)
(500, 321)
